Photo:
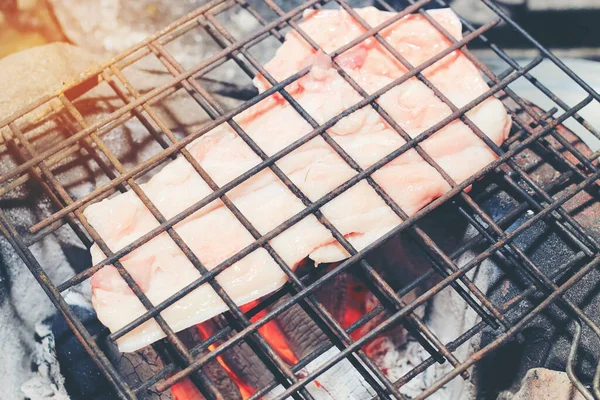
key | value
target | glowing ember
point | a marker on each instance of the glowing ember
(186, 390)
(273, 334)
(245, 389)
(355, 306)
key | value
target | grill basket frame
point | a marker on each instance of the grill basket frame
(548, 205)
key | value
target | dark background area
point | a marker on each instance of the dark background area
(575, 32)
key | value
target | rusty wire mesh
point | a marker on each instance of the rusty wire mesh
(578, 173)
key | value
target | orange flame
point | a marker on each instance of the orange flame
(245, 389)
(273, 334)
(186, 390)
(355, 307)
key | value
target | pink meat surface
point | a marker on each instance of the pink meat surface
(214, 234)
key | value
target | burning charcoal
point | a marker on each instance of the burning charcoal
(304, 336)
(243, 362)
(396, 334)
(334, 295)
(138, 367)
(403, 259)
(300, 330)
(214, 370)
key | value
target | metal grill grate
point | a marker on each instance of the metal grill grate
(578, 173)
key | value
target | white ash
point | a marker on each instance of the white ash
(21, 311)
(328, 386)
(448, 316)
(48, 382)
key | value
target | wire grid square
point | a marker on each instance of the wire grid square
(245, 62)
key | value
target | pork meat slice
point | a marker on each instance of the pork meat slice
(214, 234)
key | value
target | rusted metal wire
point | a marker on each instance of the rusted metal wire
(534, 128)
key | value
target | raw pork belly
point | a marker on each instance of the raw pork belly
(214, 234)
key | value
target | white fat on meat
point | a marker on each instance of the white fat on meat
(213, 233)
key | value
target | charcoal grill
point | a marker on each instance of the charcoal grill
(579, 174)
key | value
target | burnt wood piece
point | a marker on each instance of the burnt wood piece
(241, 359)
(301, 332)
(215, 372)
